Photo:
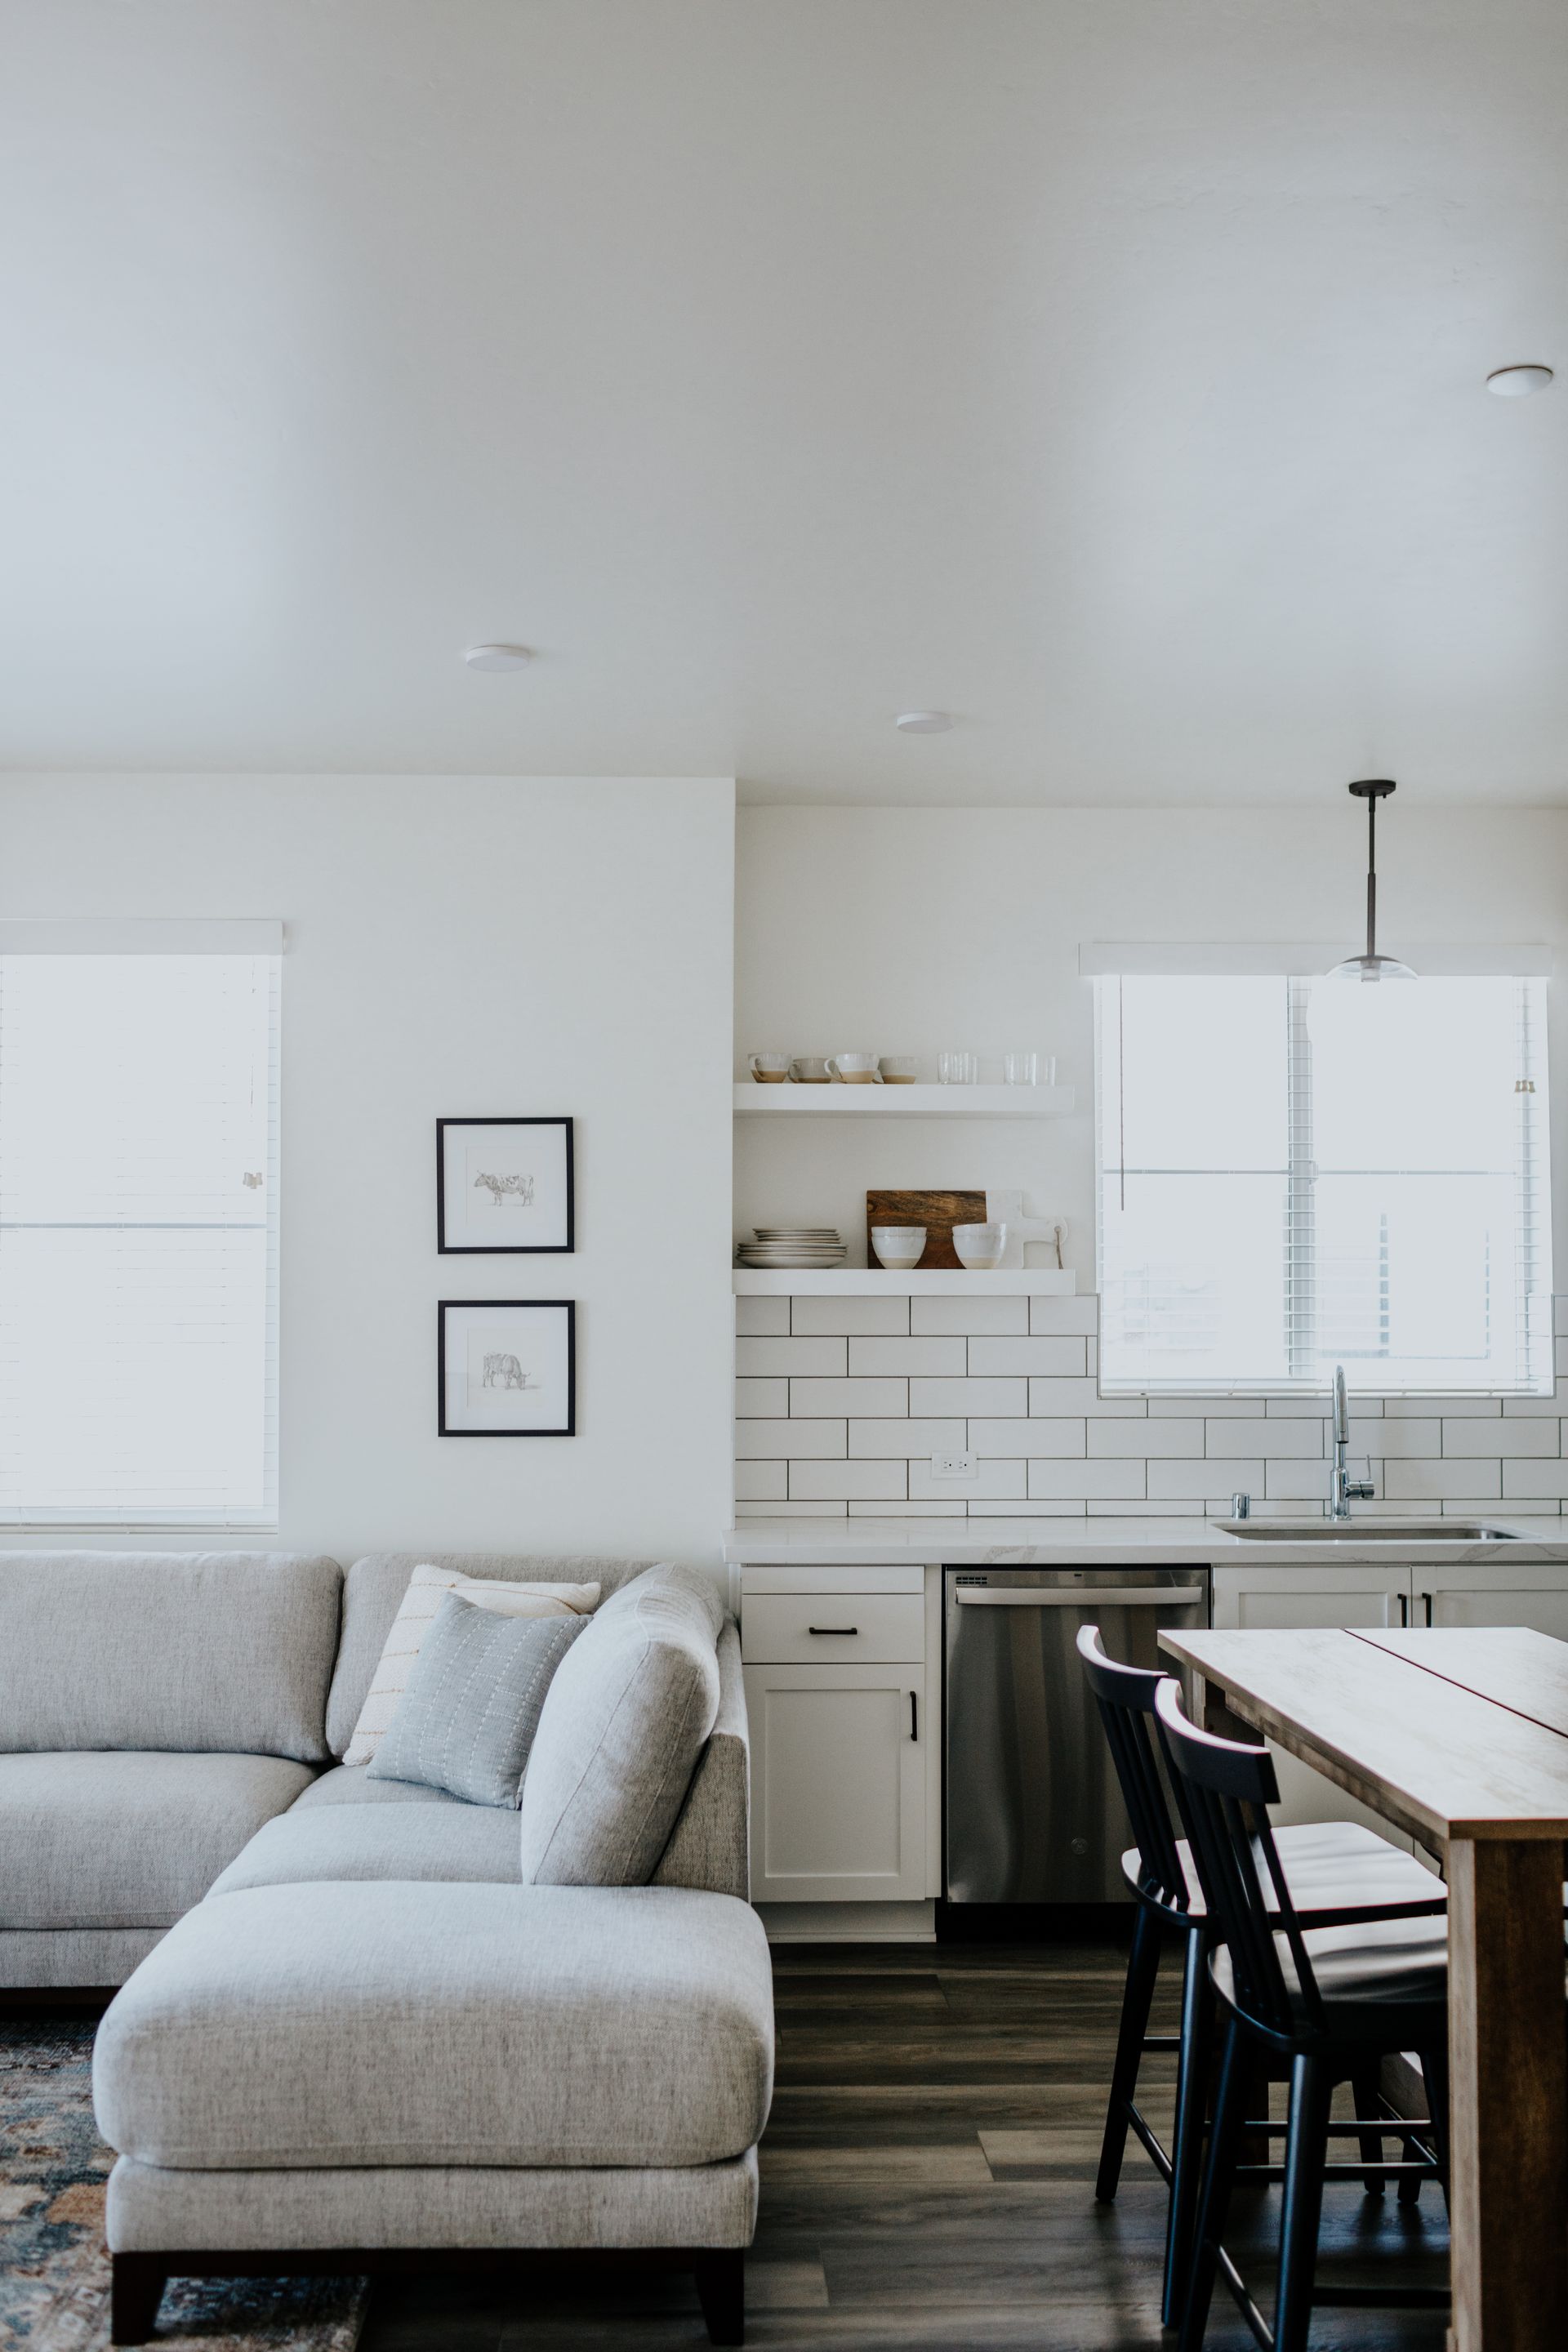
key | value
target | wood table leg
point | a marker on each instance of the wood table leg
(1508, 2103)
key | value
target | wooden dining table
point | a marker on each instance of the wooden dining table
(1459, 1738)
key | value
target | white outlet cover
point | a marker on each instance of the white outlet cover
(952, 1465)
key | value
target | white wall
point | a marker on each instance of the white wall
(905, 931)
(458, 947)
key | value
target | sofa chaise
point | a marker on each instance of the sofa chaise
(369, 2042)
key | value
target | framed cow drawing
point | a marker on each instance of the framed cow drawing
(503, 1184)
(507, 1368)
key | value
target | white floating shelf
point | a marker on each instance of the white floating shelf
(792, 1101)
(874, 1282)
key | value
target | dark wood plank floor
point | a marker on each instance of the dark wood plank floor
(928, 2182)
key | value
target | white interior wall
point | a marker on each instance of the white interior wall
(462, 947)
(906, 930)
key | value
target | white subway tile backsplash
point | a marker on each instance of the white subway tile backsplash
(906, 1439)
(851, 1318)
(1501, 1437)
(964, 1318)
(1392, 1440)
(1062, 1481)
(993, 1482)
(762, 1319)
(1061, 1356)
(1523, 1480)
(755, 1398)
(841, 1403)
(1147, 1440)
(1298, 1439)
(1220, 1479)
(896, 1510)
(1427, 1481)
(1052, 1396)
(761, 1358)
(943, 1396)
(931, 1357)
(853, 1482)
(1043, 1440)
(1054, 1316)
(778, 1439)
(790, 1510)
(874, 1398)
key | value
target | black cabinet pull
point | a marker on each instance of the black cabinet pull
(1404, 1609)
(1426, 1597)
(833, 1629)
(914, 1717)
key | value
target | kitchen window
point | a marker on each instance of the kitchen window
(138, 1224)
(1297, 1171)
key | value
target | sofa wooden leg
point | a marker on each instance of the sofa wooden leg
(136, 2290)
(722, 2289)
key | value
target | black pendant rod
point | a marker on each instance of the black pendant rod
(1372, 789)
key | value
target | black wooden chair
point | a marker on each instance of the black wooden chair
(1338, 1872)
(1330, 2002)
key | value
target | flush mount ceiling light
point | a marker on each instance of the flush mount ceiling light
(498, 656)
(1370, 965)
(1517, 383)
(923, 722)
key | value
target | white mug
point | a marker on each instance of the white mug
(769, 1069)
(853, 1069)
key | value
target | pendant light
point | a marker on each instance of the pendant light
(1372, 966)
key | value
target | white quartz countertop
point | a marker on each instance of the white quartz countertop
(1129, 1543)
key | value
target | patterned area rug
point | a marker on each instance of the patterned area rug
(54, 2271)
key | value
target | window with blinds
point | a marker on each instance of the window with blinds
(139, 1237)
(1299, 1172)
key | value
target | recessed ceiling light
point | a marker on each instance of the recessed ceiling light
(924, 723)
(498, 656)
(1517, 383)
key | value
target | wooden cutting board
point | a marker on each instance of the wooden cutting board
(937, 1211)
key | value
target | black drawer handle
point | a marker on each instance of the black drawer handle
(914, 1717)
(833, 1629)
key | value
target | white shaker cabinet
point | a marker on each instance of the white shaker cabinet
(844, 1741)
(1503, 1593)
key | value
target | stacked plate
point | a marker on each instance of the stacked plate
(793, 1246)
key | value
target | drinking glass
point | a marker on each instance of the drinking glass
(957, 1069)
(1021, 1070)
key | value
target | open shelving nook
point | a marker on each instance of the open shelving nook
(792, 1101)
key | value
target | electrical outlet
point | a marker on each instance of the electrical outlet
(952, 1465)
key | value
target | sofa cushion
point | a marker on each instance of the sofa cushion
(624, 1724)
(350, 1784)
(372, 1593)
(341, 1841)
(220, 1652)
(126, 1839)
(393, 2025)
(465, 1722)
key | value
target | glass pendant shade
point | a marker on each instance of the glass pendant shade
(1368, 966)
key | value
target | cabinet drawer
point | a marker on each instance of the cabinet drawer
(874, 1628)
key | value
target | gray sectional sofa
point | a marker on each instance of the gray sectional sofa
(364, 2040)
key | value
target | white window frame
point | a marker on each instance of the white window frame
(1299, 964)
(257, 937)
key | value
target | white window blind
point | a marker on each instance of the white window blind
(138, 1234)
(1298, 1172)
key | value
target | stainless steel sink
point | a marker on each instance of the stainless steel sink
(1362, 1531)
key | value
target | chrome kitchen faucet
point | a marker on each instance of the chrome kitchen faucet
(1343, 1490)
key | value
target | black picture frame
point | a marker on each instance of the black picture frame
(567, 1306)
(445, 1248)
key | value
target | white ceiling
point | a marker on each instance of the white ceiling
(1108, 372)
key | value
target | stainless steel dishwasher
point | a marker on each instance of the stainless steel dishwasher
(1032, 1810)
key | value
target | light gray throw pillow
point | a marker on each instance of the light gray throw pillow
(624, 1725)
(468, 1719)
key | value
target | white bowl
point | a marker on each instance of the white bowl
(979, 1247)
(898, 1245)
